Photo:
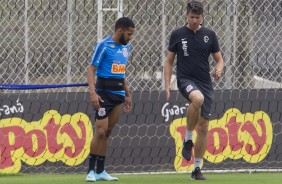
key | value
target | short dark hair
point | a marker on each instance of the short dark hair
(124, 23)
(195, 7)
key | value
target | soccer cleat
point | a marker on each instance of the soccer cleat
(104, 176)
(187, 149)
(197, 175)
(91, 176)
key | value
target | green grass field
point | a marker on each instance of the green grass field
(227, 178)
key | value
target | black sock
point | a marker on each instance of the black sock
(92, 161)
(100, 164)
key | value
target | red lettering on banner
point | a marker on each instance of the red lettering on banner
(233, 128)
(52, 130)
(40, 142)
(7, 146)
(234, 136)
(222, 138)
(258, 140)
(79, 143)
(54, 138)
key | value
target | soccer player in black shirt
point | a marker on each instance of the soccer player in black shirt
(193, 45)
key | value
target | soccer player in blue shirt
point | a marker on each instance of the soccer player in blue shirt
(108, 91)
(193, 44)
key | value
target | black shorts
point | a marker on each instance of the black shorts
(186, 86)
(110, 101)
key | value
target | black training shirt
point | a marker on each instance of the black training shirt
(193, 51)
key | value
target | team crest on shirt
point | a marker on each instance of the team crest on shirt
(125, 52)
(206, 39)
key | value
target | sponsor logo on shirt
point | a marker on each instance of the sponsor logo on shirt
(184, 46)
(116, 61)
(118, 68)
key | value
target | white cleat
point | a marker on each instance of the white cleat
(104, 176)
(91, 176)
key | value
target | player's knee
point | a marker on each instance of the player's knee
(108, 133)
(197, 99)
(100, 133)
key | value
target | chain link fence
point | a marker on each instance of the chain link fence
(52, 42)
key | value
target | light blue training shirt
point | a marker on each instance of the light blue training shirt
(110, 59)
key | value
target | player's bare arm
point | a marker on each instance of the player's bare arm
(219, 65)
(128, 99)
(168, 64)
(94, 97)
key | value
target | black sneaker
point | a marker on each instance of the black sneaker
(187, 150)
(197, 175)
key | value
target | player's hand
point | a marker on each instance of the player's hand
(217, 73)
(167, 92)
(128, 104)
(95, 100)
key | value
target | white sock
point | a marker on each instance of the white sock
(189, 135)
(197, 162)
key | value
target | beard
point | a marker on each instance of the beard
(122, 40)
